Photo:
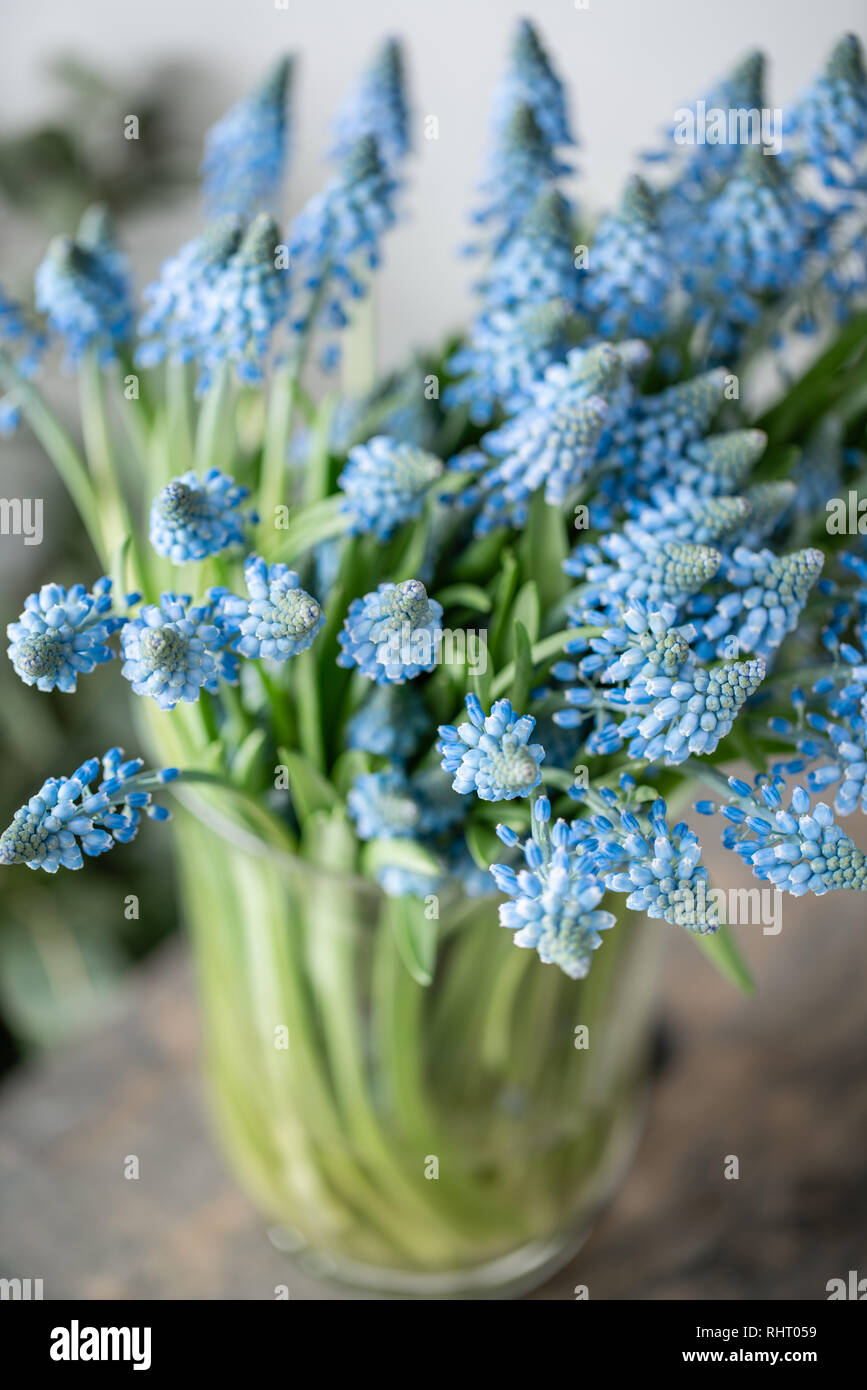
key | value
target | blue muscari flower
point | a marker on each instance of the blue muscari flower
(249, 299)
(765, 605)
(800, 849)
(383, 805)
(554, 907)
(181, 303)
(536, 265)
(522, 166)
(21, 341)
(391, 723)
(171, 651)
(708, 164)
(693, 712)
(659, 868)
(649, 440)
(686, 515)
(830, 120)
(245, 152)
(337, 236)
(278, 620)
(508, 352)
(752, 241)
(83, 287)
(551, 443)
(531, 81)
(68, 817)
(62, 634)
(491, 754)
(195, 517)
(640, 564)
(392, 634)
(645, 643)
(713, 466)
(631, 276)
(846, 744)
(385, 483)
(530, 295)
(378, 107)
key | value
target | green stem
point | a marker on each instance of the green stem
(59, 447)
(213, 423)
(278, 426)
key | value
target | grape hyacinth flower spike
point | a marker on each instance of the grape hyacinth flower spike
(68, 818)
(491, 754)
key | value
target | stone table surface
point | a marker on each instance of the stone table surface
(776, 1080)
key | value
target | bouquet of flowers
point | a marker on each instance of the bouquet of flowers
(477, 628)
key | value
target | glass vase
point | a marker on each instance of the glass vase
(443, 1140)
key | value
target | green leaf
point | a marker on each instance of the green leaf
(348, 767)
(329, 840)
(319, 522)
(480, 558)
(483, 843)
(523, 677)
(401, 854)
(415, 936)
(464, 596)
(248, 759)
(543, 549)
(311, 792)
(724, 954)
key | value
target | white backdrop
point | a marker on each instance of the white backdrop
(629, 64)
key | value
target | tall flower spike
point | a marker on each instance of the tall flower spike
(62, 634)
(336, 237)
(245, 152)
(195, 517)
(531, 81)
(491, 754)
(649, 443)
(693, 713)
(279, 620)
(659, 868)
(522, 166)
(766, 604)
(170, 650)
(640, 565)
(531, 295)
(830, 120)
(554, 907)
(68, 817)
(752, 241)
(720, 463)
(631, 276)
(385, 484)
(249, 299)
(377, 107)
(550, 444)
(180, 303)
(685, 515)
(82, 286)
(799, 850)
(392, 634)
